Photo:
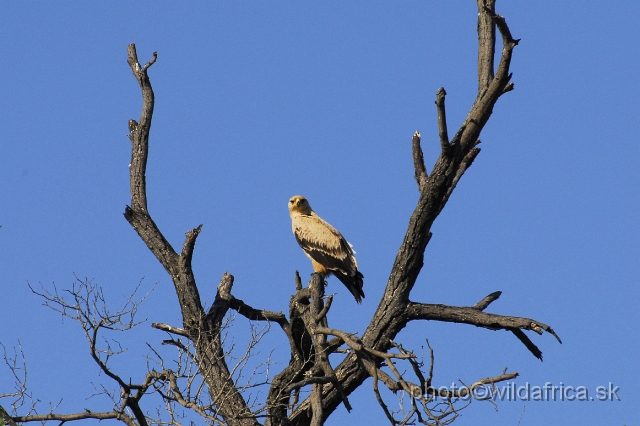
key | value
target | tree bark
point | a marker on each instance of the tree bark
(307, 326)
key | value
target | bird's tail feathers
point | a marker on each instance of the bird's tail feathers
(353, 283)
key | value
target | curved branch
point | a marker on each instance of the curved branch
(225, 300)
(137, 214)
(140, 131)
(6, 417)
(466, 390)
(177, 396)
(96, 357)
(474, 316)
(484, 303)
(453, 161)
(76, 416)
(395, 309)
(307, 328)
(357, 345)
(189, 245)
(178, 267)
(202, 329)
(528, 343)
(256, 314)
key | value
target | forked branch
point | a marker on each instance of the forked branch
(203, 329)
(457, 155)
(307, 328)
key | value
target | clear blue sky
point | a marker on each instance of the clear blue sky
(256, 102)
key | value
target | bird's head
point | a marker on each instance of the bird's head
(299, 204)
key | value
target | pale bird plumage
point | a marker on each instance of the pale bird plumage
(328, 250)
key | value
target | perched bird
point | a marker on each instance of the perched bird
(329, 252)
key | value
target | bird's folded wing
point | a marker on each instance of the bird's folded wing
(323, 243)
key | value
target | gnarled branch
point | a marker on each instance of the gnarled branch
(203, 330)
(307, 327)
(395, 309)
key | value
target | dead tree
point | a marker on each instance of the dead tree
(312, 341)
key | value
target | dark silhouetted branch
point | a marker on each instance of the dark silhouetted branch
(395, 309)
(486, 43)
(77, 416)
(474, 316)
(418, 161)
(442, 121)
(203, 330)
(484, 303)
(202, 356)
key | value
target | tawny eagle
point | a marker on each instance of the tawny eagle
(329, 252)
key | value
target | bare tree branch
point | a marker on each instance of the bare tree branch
(203, 329)
(484, 303)
(442, 121)
(170, 329)
(395, 309)
(6, 418)
(204, 378)
(418, 161)
(466, 315)
(486, 43)
(77, 416)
